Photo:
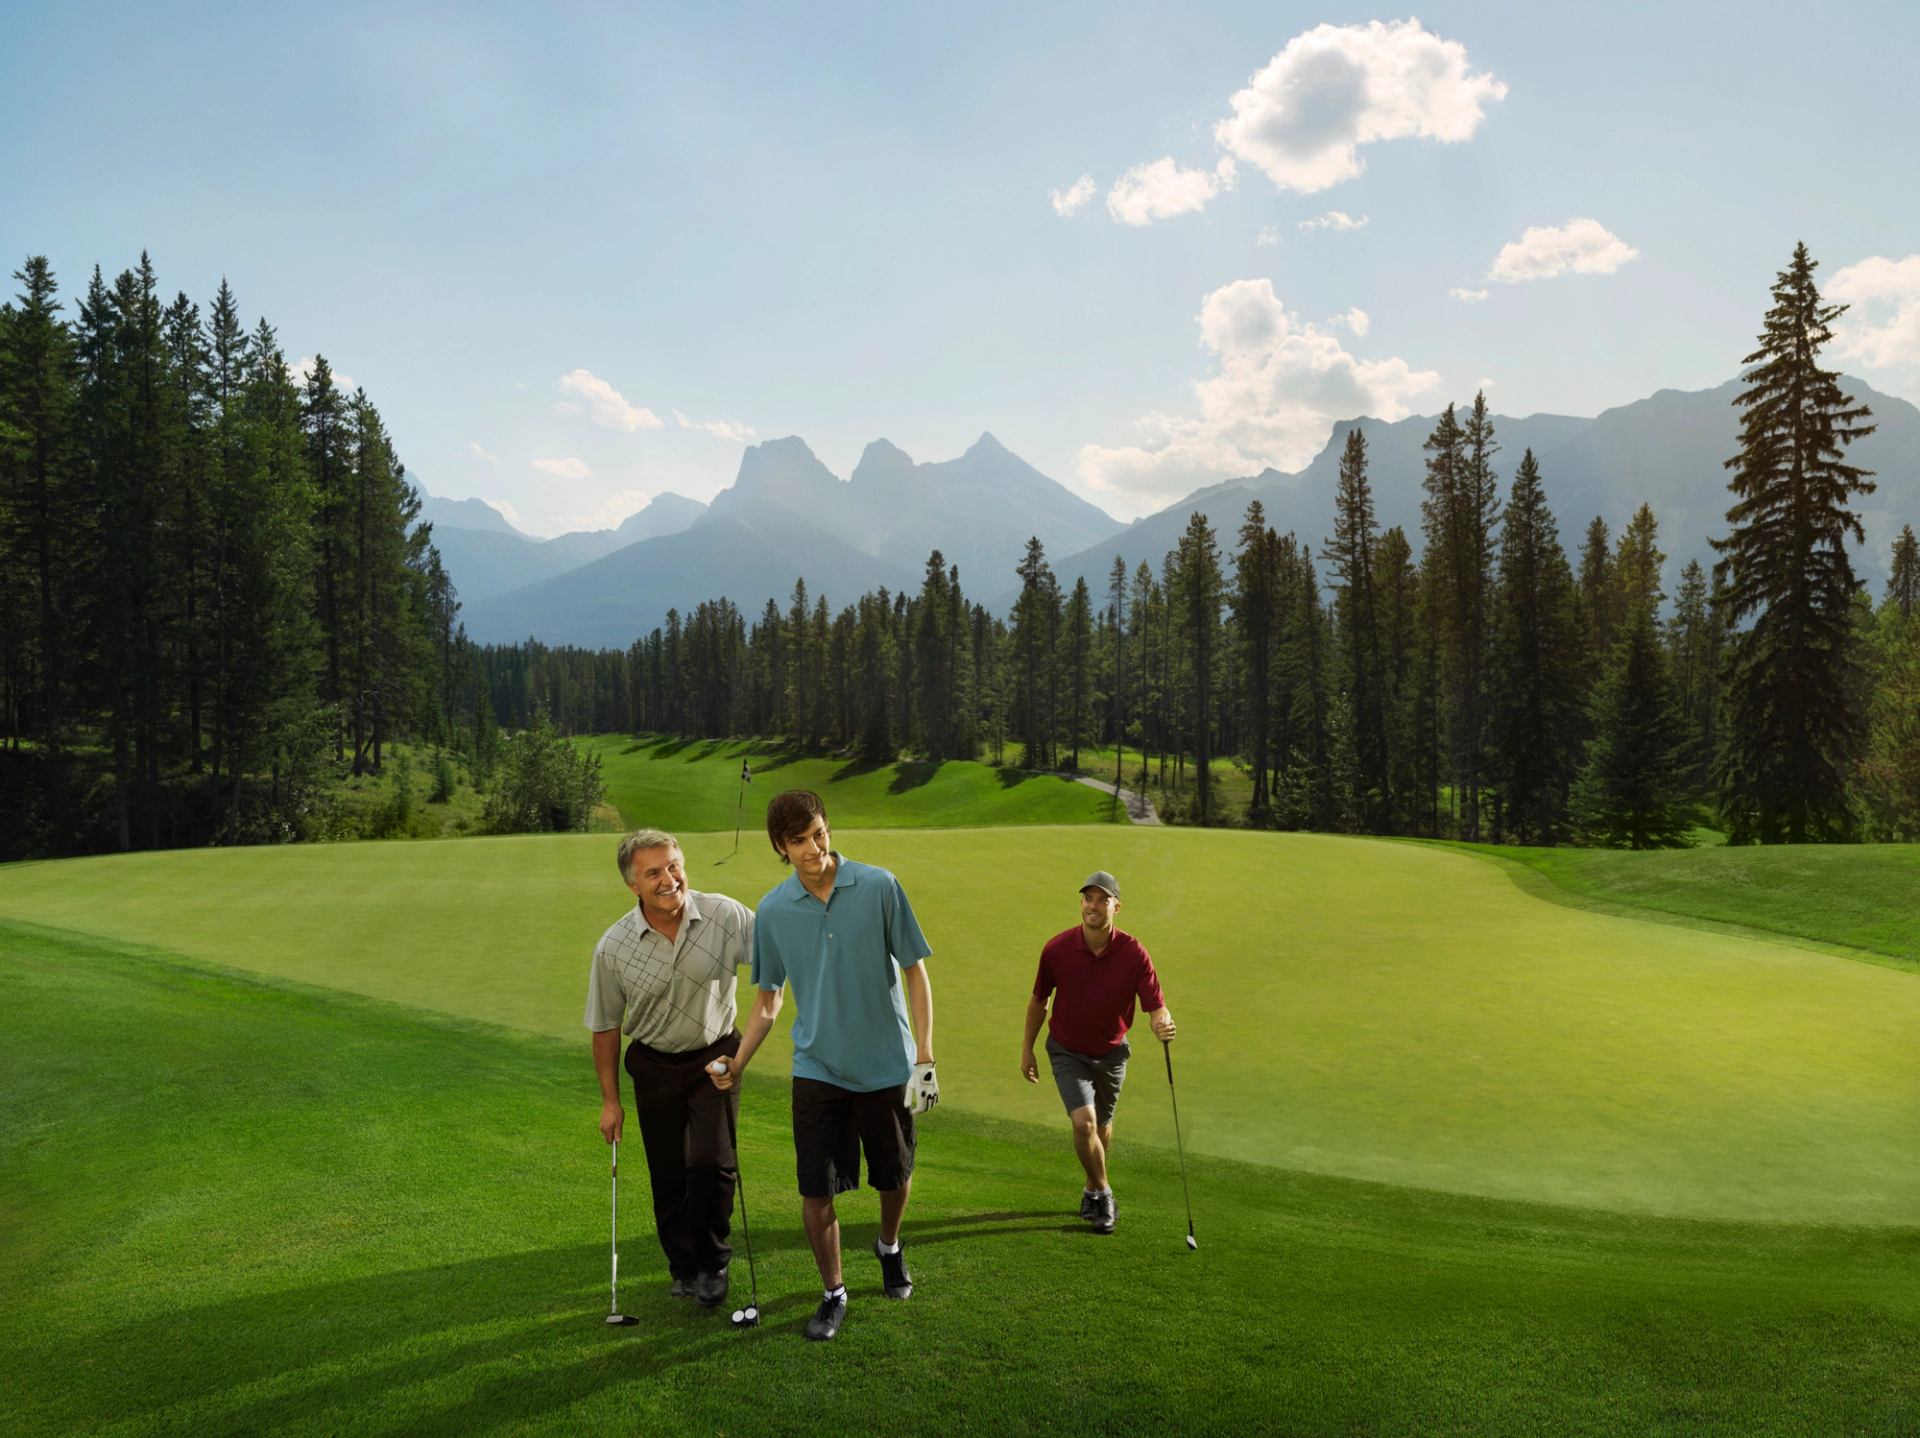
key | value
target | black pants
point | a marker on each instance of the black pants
(690, 1159)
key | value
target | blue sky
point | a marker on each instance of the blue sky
(582, 255)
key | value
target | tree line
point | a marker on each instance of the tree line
(216, 599)
(214, 594)
(1492, 686)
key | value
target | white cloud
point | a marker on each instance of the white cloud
(1159, 191)
(1355, 319)
(476, 451)
(1070, 200)
(1268, 237)
(1581, 247)
(1883, 329)
(1467, 296)
(302, 368)
(606, 404)
(719, 428)
(1302, 118)
(1336, 220)
(505, 511)
(609, 511)
(1275, 390)
(1483, 386)
(568, 468)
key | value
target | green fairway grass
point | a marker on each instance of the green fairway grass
(231, 1205)
(695, 785)
(1379, 1011)
(1864, 896)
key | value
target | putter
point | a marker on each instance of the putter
(1167, 1049)
(748, 1317)
(615, 1318)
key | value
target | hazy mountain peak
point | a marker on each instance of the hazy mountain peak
(987, 445)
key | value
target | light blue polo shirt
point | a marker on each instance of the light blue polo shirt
(843, 959)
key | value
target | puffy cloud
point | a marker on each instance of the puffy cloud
(1883, 329)
(1276, 387)
(1302, 118)
(568, 468)
(1335, 220)
(476, 451)
(302, 369)
(719, 428)
(1268, 236)
(1467, 296)
(1160, 190)
(606, 404)
(1581, 247)
(608, 511)
(1355, 319)
(1070, 200)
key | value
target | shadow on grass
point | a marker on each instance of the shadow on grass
(853, 769)
(991, 1225)
(1011, 777)
(913, 773)
(249, 1365)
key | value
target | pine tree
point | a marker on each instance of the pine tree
(1349, 556)
(1637, 563)
(1903, 583)
(1255, 601)
(1538, 664)
(1694, 644)
(1630, 794)
(1792, 734)
(1198, 602)
(1599, 595)
(1035, 634)
(1077, 661)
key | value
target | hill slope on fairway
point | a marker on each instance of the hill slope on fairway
(1377, 1011)
(234, 1206)
(1865, 896)
(694, 785)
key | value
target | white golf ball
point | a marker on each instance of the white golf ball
(752, 1313)
(739, 1315)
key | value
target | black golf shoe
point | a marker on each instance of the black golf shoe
(827, 1318)
(710, 1288)
(1106, 1212)
(682, 1288)
(1089, 1206)
(895, 1281)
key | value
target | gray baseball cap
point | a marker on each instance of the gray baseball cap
(1101, 879)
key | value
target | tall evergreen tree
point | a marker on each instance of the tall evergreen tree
(1792, 734)
(1077, 667)
(1198, 601)
(1256, 616)
(1903, 582)
(1637, 563)
(1538, 664)
(1349, 556)
(1599, 593)
(1630, 794)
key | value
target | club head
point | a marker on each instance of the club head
(748, 1317)
(1193, 1243)
(621, 1320)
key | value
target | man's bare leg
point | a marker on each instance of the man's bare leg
(893, 1207)
(1089, 1143)
(823, 1236)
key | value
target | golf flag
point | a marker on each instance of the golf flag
(746, 772)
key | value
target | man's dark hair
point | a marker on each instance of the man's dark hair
(790, 815)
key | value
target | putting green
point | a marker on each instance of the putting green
(1370, 1010)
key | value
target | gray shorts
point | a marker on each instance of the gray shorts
(1089, 1082)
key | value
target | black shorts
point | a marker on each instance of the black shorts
(832, 1124)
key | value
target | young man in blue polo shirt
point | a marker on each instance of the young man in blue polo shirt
(1095, 973)
(843, 935)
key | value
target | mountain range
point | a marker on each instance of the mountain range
(788, 516)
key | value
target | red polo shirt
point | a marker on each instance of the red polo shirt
(1097, 991)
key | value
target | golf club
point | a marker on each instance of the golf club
(615, 1318)
(749, 1316)
(1167, 1049)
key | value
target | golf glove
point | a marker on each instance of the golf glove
(923, 1089)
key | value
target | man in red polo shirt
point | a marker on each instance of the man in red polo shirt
(1097, 972)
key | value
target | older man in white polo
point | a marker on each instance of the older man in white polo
(663, 976)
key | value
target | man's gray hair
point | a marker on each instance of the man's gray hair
(642, 839)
